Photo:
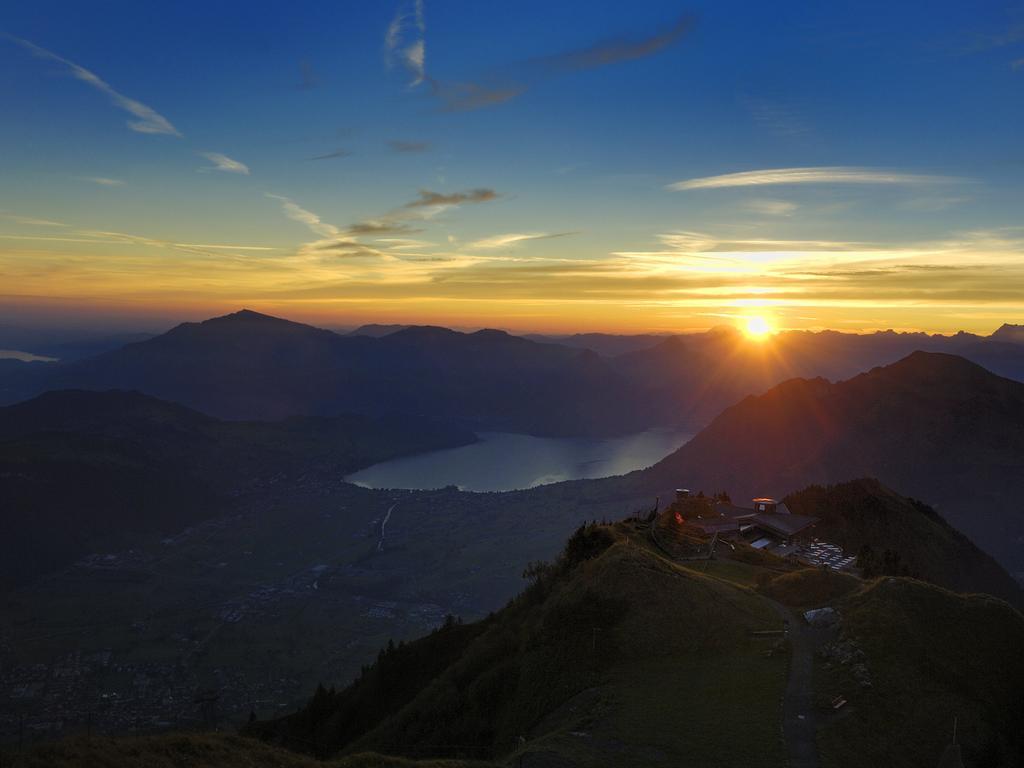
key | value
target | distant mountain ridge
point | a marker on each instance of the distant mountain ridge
(253, 366)
(250, 366)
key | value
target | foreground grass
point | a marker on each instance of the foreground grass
(196, 751)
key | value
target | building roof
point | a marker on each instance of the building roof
(783, 524)
(714, 524)
(732, 511)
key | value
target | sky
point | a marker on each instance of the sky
(535, 166)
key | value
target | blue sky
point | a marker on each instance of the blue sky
(650, 166)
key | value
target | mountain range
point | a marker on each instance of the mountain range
(252, 366)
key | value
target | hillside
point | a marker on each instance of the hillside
(96, 469)
(594, 664)
(195, 750)
(936, 426)
(252, 366)
(932, 656)
(897, 536)
(617, 656)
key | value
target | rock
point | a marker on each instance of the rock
(822, 617)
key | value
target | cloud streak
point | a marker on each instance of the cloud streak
(224, 163)
(428, 198)
(819, 175)
(408, 146)
(404, 41)
(148, 120)
(514, 238)
(336, 154)
(614, 51)
(104, 181)
(498, 88)
(297, 213)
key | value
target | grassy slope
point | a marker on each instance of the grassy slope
(898, 536)
(183, 750)
(671, 649)
(933, 656)
(664, 681)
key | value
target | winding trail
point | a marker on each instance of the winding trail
(799, 719)
(384, 522)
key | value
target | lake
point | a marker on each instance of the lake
(506, 462)
(25, 357)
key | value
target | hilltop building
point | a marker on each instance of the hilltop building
(767, 525)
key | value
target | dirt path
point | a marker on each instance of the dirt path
(799, 719)
(384, 522)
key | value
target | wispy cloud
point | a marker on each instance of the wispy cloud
(404, 41)
(767, 207)
(224, 163)
(428, 198)
(386, 225)
(1009, 35)
(514, 238)
(464, 97)
(297, 213)
(103, 181)
(148, 120)
(30, 221)
(104, 237)
(820, 175)
(503, 86)
(614, 51)
(777, 118)
(408, 146)
(1017, 64)
(338, 153)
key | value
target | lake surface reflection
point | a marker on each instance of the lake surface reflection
(506, 462)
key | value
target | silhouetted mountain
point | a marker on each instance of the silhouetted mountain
(1013, 334)
(248, 365)
(93, 469)
(251, 366)
(376, 330)
(696, 376)
(608, 344)
(936, 426)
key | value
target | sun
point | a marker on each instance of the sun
(758, 328)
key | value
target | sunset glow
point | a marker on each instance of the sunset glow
(757, 328)
(125, 194)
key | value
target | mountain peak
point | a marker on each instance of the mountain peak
(931, 366)
(1009, 332)
(248, 315)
